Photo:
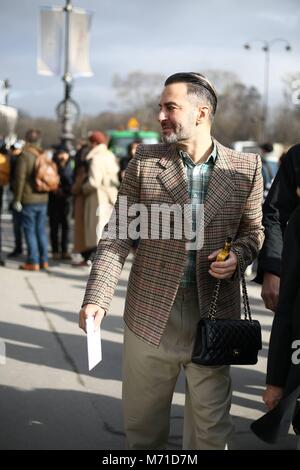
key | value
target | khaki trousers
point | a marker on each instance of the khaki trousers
(149, 379)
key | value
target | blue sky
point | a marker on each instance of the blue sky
(163, 36)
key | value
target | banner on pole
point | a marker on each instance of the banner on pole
(79, 40)
(50, 43)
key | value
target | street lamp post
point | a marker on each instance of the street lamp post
(266, 49)
(67, 110)
(67, 134)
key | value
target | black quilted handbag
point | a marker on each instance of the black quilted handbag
(227, 341)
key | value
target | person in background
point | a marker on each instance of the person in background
(59, 207)
(80, 175)
(4, 169)
(132, 147)
(33, 204)
(281, 201)
(283, 368)
(15, 152)
(100, 189)
(269, 166)
(4, 180)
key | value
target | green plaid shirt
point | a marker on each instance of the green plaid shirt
(198, 176)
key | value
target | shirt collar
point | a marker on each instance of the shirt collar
(211, 158)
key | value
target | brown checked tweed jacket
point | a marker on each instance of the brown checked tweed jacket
(232, 208)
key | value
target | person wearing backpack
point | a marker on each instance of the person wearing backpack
(31, 197)
(4, 166)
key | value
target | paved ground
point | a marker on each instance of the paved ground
(49, 400)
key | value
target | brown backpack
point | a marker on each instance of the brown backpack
(46, 177)
(4, 169)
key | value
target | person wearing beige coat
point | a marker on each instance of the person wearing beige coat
(100, 189)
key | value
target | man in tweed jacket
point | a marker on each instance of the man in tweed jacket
(171, 285)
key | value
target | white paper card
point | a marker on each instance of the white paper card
(93, 344)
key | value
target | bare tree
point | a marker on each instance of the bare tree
(221, 79)
(286, 117)
(49, 127)
(137, 89)
(103, 121)
(239, 113)
(138, 94)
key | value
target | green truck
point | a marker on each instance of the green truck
(120, 140)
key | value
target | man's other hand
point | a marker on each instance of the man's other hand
(270, 291)
(88, 311)
(272, 395)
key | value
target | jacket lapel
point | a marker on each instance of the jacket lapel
(221, 184)
(173, 176)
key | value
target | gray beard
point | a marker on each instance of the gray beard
(180, 133)
(175, 137)
(170, 139)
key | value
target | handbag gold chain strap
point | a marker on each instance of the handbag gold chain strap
(213, 306)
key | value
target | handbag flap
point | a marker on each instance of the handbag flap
(231, 333)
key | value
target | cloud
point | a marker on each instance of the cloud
(280, 19)
(159, 36)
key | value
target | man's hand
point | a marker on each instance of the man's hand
(17, 206)
(272, 395)
(223, 269)
(270, 291)
(88, 311)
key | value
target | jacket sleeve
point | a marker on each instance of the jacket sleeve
(280, 352)
(20, 178)
(279, 204)
(251, 233)
(113, 249)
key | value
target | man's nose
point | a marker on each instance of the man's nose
(161, 116)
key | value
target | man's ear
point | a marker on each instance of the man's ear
(202, 114)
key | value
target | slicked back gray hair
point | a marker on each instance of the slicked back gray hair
(198, 85)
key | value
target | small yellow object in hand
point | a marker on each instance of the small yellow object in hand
(224, 253)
